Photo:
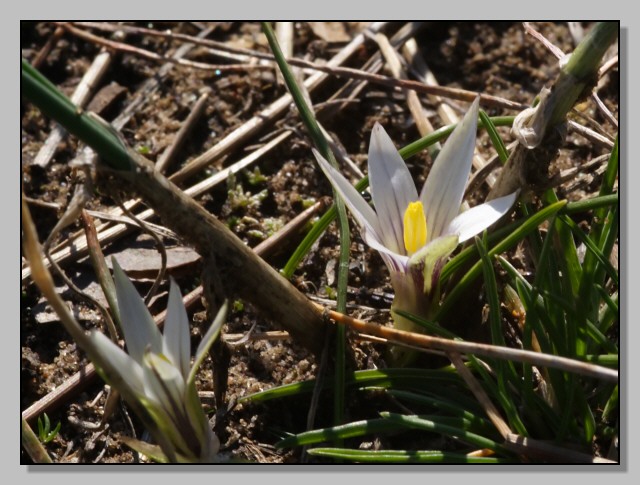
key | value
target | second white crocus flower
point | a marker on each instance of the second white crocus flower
(414, 233)
(156, 371)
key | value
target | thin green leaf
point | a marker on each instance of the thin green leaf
(566, 251)
(41, 92)
(497, 142)
(341, 432)
(402, 456)
(476, 423)
(610, 175)
(444, 429)
(611, 407)
(510, 241)
(433, 328)
(605, 360)
(207, 340)
(320, 142)
(611, 271)
(505, 370)
(366, 427)
(378, 377)
(590, 204)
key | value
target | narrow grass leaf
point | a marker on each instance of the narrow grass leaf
(497, 142)
(402, 456)
(344, 431)
(591, 246)
(507, 243)
(417, 422)
(378, 377)
(308, 117)
(593, 203)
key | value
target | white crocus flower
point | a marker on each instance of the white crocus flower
(415, 234)
(157, 373)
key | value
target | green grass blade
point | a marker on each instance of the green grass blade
(455, 432)
(566, 251)
(605, 360)
(343, 265)
(590, 204)
(603, 234)
(377, 377)
(376, 426)
(591, 246)
(608, 315)
(507, 243)
(41, 92)
(402, 456)
(433, 328)
(611, 407)
(497, 142)
(341, 432)
(505, 370)
(316, 231)
(475, 422)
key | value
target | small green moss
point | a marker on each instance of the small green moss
(332, 294)
(255, 233)
(272, 225)
(238, 306)
(255, 177)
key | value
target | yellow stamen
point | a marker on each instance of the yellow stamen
(415, 227)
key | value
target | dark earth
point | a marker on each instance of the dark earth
(492, 58)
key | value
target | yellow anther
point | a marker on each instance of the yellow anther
(415, 227)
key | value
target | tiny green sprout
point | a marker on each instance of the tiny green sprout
(238, 198)
(255, 233)
(45, 433)
(306, 203)
(259, 197)
(255, 177)
(232, 222)
(331, 293)
(238, 306)
(143, 150)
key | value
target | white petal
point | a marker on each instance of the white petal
(392, 188)
(364, 215)
(442, 193)
(139, 329)
(478, 218)
(176, 343)
(396, 263)
(120, 368)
